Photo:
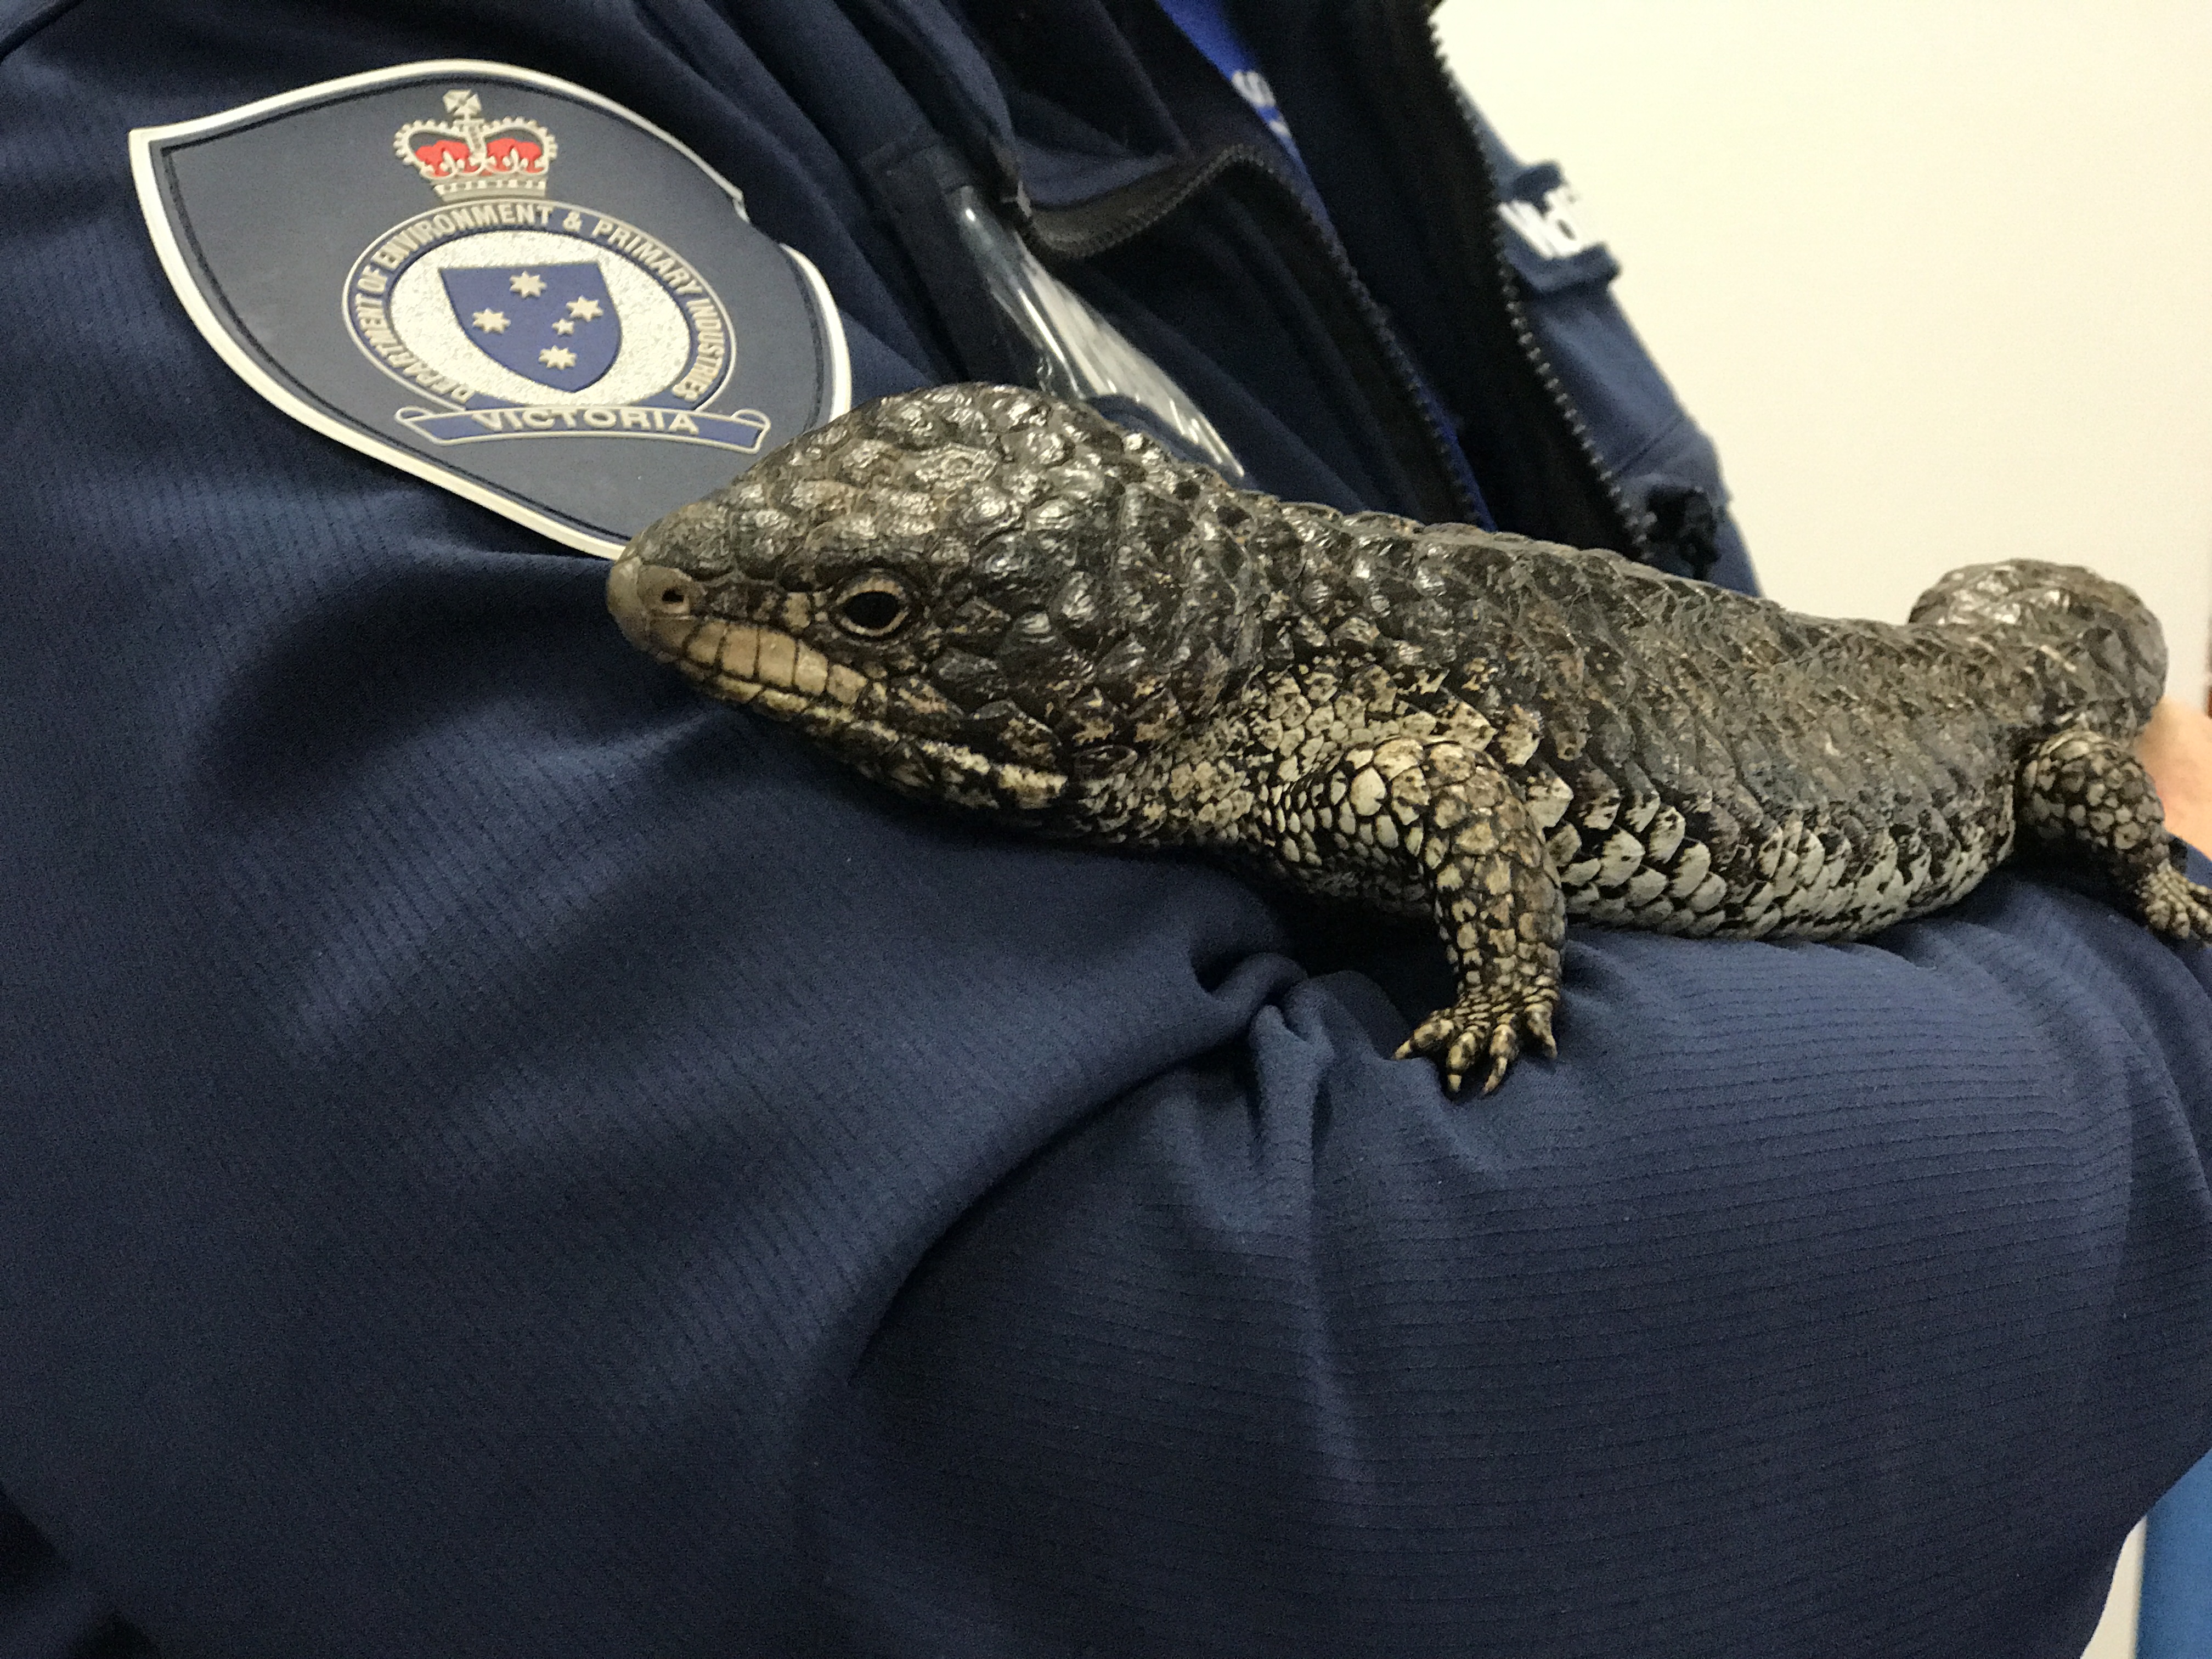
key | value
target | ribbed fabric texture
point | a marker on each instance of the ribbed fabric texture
(500, 1157)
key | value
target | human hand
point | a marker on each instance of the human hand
(2176, 750)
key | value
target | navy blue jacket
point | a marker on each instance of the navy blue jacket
(499, 1157)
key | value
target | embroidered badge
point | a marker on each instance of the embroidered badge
(581, 354)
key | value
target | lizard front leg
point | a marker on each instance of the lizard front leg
(1433, 813)
(2087, 794)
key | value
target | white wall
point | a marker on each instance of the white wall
(2115, 1635)
(1936, 277)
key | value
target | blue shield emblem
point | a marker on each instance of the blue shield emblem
(435, 302)
(555, 324)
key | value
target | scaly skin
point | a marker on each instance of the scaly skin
(984, 596)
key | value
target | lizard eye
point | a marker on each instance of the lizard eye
(874, 605)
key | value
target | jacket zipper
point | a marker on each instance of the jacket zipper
(1431, 65)
(1083, 233)
(1417, 96)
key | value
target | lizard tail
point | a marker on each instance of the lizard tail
(2088, 642)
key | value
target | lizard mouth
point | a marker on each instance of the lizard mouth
(743, 663)
(658, 608)
(747, 663)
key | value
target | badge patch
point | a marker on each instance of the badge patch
(1553, 246)
(499, 282)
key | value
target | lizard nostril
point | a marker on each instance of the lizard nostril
(643, 596)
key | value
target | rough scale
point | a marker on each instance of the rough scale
(984, 597)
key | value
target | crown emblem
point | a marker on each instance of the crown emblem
(468, 156)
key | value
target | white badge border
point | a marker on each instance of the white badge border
(152, 204)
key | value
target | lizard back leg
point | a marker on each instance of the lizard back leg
(2086, 795)
(1444, 815)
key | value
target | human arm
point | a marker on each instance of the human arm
(505, 1158)
(2176, 751)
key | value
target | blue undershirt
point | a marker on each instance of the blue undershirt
(1209, 29)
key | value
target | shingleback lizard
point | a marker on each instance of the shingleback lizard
(985, 597)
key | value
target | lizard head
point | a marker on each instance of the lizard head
(975, 593)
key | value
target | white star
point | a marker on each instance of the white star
(557, 357)
(565, 327)
(491, 322)
(581, 306)
(528, 284)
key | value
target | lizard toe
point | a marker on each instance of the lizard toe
(2176, 907)
(1476, 1043)
(1469, 1040)
(1537, 1022)
(1433, 1036)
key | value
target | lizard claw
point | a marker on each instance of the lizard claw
(1538, 1022)
(1461, 1037)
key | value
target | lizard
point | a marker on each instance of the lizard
(987, 597)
